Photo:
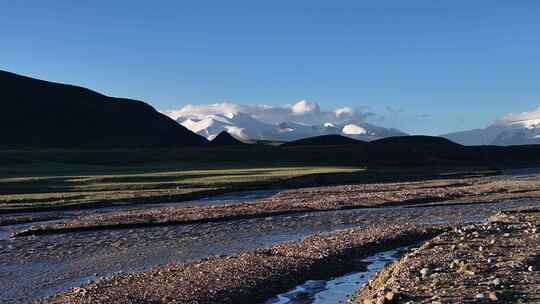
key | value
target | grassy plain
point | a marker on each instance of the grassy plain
(46, 179)
(33, 186)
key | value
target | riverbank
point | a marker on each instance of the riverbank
(36, 267)
(496, 262)
(252, 276)
(429, 193)
(74, 190)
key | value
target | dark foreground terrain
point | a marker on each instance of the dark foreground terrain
(309, 200)
(495, 262)
(37, 266)
(249, 277)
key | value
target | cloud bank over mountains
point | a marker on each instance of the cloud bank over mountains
(299, 120)
(306, 119)
(302, 112)
(510, 118)
(510, 129)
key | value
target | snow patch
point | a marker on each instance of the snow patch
(352, 129)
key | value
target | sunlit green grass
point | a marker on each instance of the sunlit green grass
(161, 182)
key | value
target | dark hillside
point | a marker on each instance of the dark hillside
(323, 140)
(39, 113)
(415, 139)
(225, 139)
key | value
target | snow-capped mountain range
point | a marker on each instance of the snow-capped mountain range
(504, 132)
(244, 126)
(306, 119)
(278, 123)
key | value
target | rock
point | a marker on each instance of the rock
(424, 272)
(492, 295)
(302, 295)
(479, 296)
(390, 296)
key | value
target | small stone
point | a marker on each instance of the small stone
(496, 282)
(424, 272)
(480, 296)
(390, 296)
(530, 268)
(492, 295)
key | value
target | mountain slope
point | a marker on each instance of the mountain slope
(225, 139)
(323, 140)
(416, 140)
(39, 113)
(501, 133)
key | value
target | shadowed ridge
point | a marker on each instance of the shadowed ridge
(225, 139)
(42, 114)
(416, 139)
(324, 140)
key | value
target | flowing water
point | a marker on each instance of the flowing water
(33, 267)
(339, 289)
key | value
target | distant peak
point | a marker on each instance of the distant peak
(225, 139)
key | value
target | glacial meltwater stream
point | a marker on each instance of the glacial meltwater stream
(340, 289)
(35, 267)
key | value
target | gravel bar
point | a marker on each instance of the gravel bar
(254, 276)
(496, 262)
(306, 200)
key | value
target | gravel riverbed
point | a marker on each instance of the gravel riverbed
(37, 266)
(494, 262)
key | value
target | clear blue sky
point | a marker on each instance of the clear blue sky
(450, 65)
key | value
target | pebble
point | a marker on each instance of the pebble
(480, 296)
(492, 295)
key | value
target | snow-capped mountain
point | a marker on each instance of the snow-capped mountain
(244, 126)
(239, 125)
(502, 133)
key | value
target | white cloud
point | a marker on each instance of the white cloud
(199, 112)
(344, 111)
(519, 117)
(353, 129)
(303, 107)
(302, 112)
